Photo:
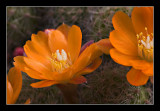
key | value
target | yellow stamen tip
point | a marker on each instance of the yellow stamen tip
(146, 28)
(59, 61)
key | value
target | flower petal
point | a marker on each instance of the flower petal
(87, 57)
(142, 17)
(9, 92)
(86, 45)
(64, 29)
(148, 71)
(64, 76)
(136, 77)
(20, 63)
(122, 58)
(28, 101)
(57, 41)
(96, 63)
(123, 24)
(144, 66)
(39, 67)
(40, 44)
(123, 43)
(105, 45)
(44, 83)
(34, 74)
(15, 78)
(78, 80)
(34, 54)
(74, 42)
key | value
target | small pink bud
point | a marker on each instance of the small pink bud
(48, 30)
(18, 51)
(86, 45)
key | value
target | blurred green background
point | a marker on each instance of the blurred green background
(106, 85)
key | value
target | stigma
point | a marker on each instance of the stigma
(145, 45)
(60, 61)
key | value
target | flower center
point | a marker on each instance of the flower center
(60, 61)
(145, 45)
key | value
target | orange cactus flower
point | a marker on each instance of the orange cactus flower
(14, 85)
(54, 57)
(133, 43)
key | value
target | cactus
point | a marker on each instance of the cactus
(108, 85)
(52, 17)
(20, 26)
(99, 23)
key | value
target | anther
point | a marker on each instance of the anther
(137, 36)
(148, 46)
(146, 28)
(143, 43)
(148, 39)
(64, 55)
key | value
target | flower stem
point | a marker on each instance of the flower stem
(70, 93)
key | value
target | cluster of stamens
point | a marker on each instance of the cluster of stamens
(145, 45)
(60, 61)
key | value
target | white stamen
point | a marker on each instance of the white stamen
(148, 46)
(148, 39)
(59, 57)
(64, 55)
(143, 43)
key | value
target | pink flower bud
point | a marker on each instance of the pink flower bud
(48, 30)
(86, 45)
(18, 51)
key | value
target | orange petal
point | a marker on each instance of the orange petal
(20, 63)
(78, 80)
(142, 17)
(34, 74)
(15, 78)
(44, 83)
(146, 67)
(123, 24)
(39, 67)
(74, 42)
(28, 101)
(90, 68)
(34, 54)
(64, 76)
(105, 45)
(122, 58)
(148, 71)
(91, 53)
(64, 29)
(86, 45)
(136, 77)
(40, 44)
(57, 41)
(151, 9)
(123, 43)
(9, 92)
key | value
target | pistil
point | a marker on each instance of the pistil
(60, 61)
